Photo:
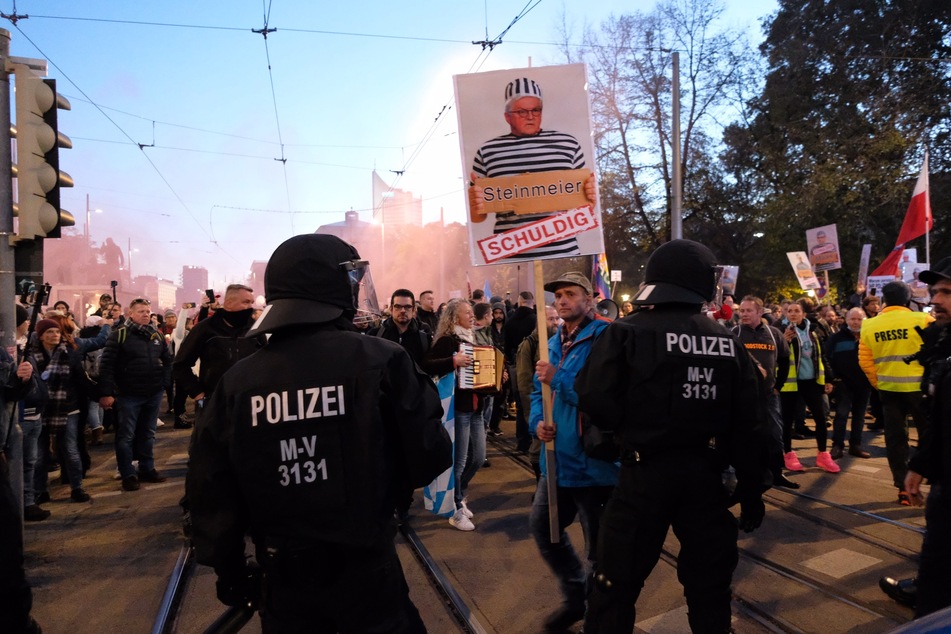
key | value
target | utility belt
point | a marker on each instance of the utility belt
(316, 562)
(646, 455)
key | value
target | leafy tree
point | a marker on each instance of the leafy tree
(629, 59)
(856, 90)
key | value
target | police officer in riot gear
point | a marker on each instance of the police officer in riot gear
(682, 394)
(303, 445)
(931, 590)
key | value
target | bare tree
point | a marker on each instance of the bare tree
(629, 59)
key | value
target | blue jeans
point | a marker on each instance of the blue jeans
(774, 418)
(849, 400)
(470, 435)
(585, 503)
(487, 410)
(31, 435)
(94, 417)
(74, 462)
(136, 430)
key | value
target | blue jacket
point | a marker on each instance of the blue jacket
(575, 468)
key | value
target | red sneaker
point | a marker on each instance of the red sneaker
(825, 462)
(792, 462)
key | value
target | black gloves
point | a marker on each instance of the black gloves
(749, 493)
(752, 511)
(239, 586)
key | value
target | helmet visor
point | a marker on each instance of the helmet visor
(364, 293)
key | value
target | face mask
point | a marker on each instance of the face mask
(239, 317)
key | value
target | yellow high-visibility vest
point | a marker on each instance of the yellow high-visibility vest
(792, 381)
(885, 341)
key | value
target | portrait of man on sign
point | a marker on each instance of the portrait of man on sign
(528, 162)
(823, 243)
(804, 273)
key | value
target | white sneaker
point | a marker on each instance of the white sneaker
(460, 521)
(465, 509)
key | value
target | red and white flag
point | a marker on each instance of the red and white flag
(918, 221)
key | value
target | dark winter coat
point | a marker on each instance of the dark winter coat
(135, 362)
(219, 345)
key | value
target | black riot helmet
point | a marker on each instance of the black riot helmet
(315, 278)
(679, 272)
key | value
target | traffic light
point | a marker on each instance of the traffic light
(37, 167)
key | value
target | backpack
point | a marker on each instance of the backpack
(91, 362)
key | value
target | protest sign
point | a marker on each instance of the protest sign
(823, 245)
(532, 192)
(802, 269)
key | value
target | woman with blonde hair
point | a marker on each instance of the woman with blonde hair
(455, 327)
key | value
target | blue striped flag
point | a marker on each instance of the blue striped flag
(439, 496)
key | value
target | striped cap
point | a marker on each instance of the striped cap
(519, 88)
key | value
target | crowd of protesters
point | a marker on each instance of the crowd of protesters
(109, 371)
(105, 372)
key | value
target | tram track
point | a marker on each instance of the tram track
(756, 610)
(233, 619)
(746, 606)
(456, 604)
(909, 554)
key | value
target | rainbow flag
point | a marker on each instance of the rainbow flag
(601, 276)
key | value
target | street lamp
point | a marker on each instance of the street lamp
(88, 211)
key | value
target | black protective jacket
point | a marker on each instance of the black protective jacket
(933, 457)
(670, 379)
(307, 441)
(219, 345)
(135, 362)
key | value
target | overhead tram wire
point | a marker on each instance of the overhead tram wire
(277, 119)
(244, 29)
(529, 6)
(487, 49)
(413, 38)
(131, 140)
(476, 65)
(229, 134)
(316, 211)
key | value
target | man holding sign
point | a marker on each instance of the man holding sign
(527, 148)
(584, 483)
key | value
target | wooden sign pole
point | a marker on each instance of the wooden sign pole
(548, 448)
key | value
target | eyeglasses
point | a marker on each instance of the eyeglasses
(536, 112)
(405, 307)
(136, 302)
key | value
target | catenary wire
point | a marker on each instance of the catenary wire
(155, 168)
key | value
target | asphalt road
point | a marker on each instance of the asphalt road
(103, 566)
